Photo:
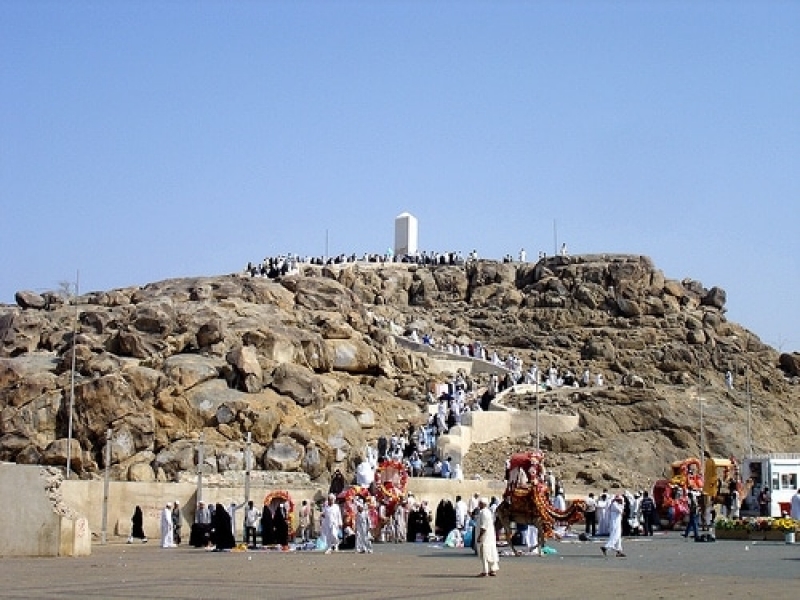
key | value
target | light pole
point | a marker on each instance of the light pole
(104, 526)
(248, 460)
(700, 400)
(72, 378)
(749, 415)
(200, 459)
(536, 394)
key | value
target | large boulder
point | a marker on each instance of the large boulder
(716, 297)
(790, 363)
(189, 370)
(56, 454)
(352, 355)
(244, 360)
(297, 382)
(178, 457)
(284, 454)
(25, 299)
(21, 332)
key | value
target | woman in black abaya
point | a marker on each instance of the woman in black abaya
(137, 529)
(281, 526)
(221, 529)
(267, 527)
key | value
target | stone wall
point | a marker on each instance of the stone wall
(124, 496)
(37, 521)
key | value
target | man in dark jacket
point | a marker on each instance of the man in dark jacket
(648, 508)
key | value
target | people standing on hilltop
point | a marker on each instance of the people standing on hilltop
(137, 526)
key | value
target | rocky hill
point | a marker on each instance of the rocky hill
(310, 366)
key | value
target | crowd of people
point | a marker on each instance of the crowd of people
(288, 263)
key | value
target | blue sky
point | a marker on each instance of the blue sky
(147, 140)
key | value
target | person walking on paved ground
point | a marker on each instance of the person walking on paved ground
(590, 515)
(251, 517)
(487, 541)
(363, 537)
(603, 514)
(331, 524)
(177, 524)
(201, 528)
(305, 521)
(615, 509)
(221, 531)
(137, 528)
(267, 527)
(280, 523)
(167, 539)
(693, 514)
(233, 508)
(399, 522)
(648, 508)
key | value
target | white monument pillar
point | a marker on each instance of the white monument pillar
(405, 234)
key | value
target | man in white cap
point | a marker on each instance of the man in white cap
(486, 540)
(331, 524)
(615, 509)
(363, 541)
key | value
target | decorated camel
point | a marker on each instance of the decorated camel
(526, 500)
(381, 490)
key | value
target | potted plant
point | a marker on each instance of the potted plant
(731, 529)
(788, 527)
(761, 529)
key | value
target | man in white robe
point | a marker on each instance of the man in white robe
(602, 514)
(486, 542)
(473, 503)
(331, 524)
(794, 511)
(615, 509)
(399, 522)
(167, 539)
(363, 538)
(461, 513)
(532, 539)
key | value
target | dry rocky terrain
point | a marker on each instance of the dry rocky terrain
(310, 366)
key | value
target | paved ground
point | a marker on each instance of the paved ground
(665, 566)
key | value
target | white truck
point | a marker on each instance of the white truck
(780, 473)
